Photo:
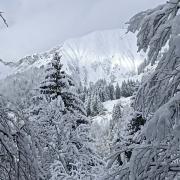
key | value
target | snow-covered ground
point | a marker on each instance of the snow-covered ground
(108, 105)
(101, 123)
(103, 120)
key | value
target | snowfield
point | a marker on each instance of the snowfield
(103, 120)
(101, 123)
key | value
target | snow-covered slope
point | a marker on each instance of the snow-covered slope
(109, 54)
(103, 120)
(100, 129)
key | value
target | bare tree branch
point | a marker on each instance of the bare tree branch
(4, 20)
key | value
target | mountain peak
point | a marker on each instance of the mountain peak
(108, 54)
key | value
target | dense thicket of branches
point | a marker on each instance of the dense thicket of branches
(18, 153)
(157, 28)
(157, 156)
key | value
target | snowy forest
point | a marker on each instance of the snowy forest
(69, 114)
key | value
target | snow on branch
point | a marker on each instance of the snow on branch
(154, 28)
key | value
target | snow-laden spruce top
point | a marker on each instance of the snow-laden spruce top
(109, 54)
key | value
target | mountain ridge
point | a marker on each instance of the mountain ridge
(109, 54)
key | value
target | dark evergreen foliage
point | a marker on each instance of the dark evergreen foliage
(129, 87)
(117, 92)
(52, 86)
(111, 92)
(136, 123)
(66, 125)
(58, 83)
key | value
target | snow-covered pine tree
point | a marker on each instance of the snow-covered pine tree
(100, 89)
(129, 87)
(58, 83)
(124, 89)
(111, 91)
(52, 87)
(67, 148)
(95, 95)
(115, 123)
(96, 105)
(82, 92)
(88, 104)
(132, 86)
(117, 92)
(116, 114)
(116, 126)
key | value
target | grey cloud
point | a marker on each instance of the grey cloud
(37, 25)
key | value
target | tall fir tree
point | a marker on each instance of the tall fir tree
(52, 86)
(111, 92)
(66, 126)
(117, 91)
(96, 105)
(88, 104)
(129, 87)
(58, 83)
(115, 122)
(124, 89)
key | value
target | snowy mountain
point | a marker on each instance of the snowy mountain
(109, 54)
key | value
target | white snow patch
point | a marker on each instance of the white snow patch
(108, 105)
(101, 124)
(103, 121)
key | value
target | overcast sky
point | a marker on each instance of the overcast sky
(38, 25)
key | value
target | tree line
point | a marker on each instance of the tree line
(102, 91)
